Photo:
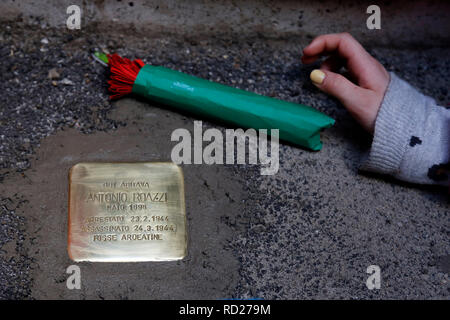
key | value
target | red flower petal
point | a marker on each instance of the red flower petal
(123, 74)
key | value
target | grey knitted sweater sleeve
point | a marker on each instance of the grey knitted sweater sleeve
(412, 137)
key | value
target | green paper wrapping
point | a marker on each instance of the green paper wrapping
(297, 123)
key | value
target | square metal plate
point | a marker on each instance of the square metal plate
(122, 212)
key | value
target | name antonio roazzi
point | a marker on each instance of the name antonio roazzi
(125, 197)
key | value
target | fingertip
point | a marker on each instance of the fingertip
(309, 59)
(308, 49)
(317, 76)
(311, 48)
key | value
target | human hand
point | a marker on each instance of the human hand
(363, 97)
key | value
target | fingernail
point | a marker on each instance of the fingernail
(317, 76)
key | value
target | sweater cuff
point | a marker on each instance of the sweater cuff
(393, 126)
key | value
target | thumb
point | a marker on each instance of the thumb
(340, 87)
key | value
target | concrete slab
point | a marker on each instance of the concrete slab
(403, 22)
(310, 231)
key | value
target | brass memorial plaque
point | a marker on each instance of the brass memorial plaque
(122, 212)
